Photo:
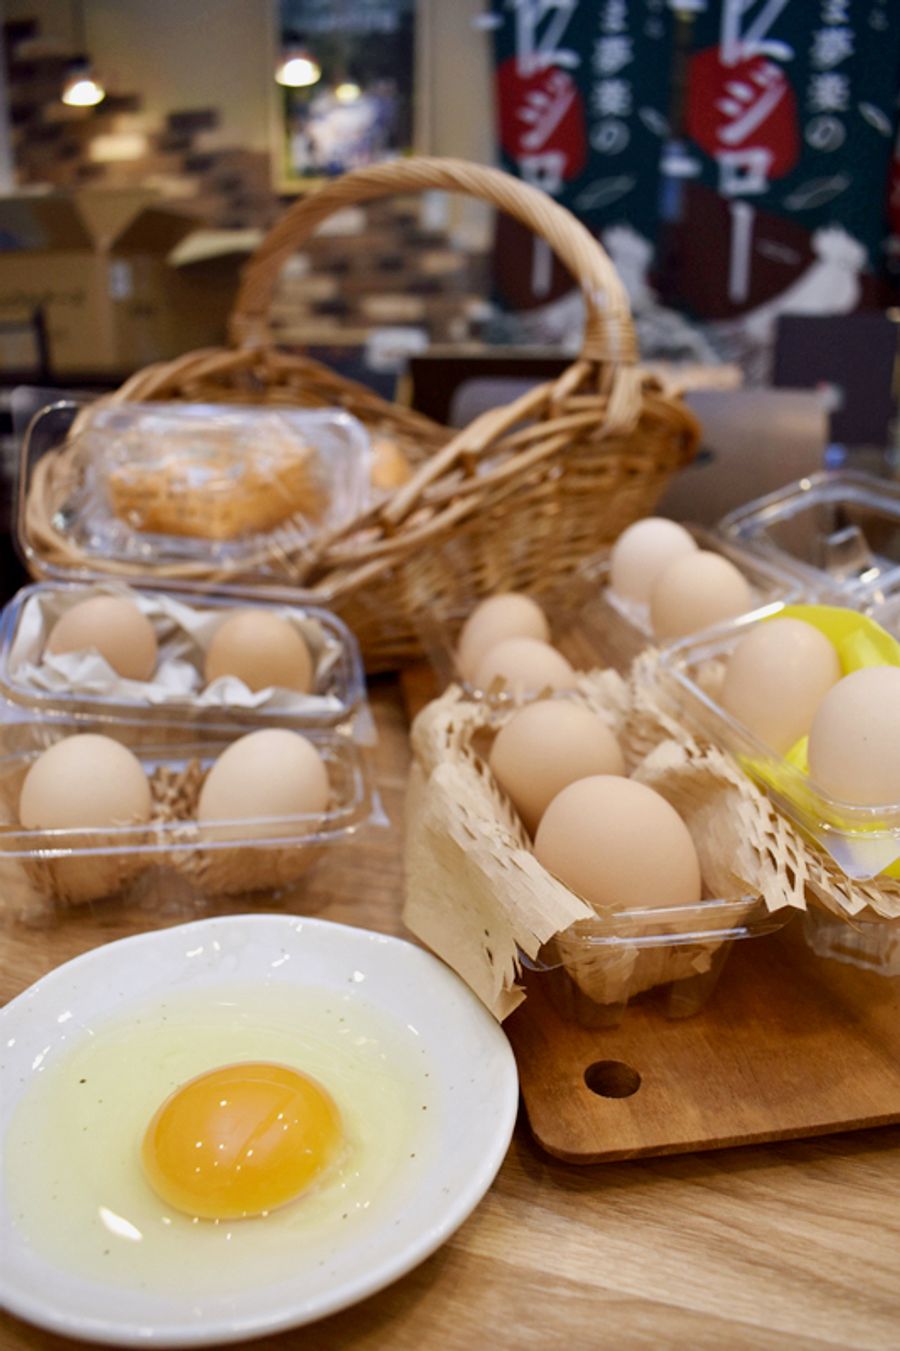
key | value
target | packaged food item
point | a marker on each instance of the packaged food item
(240, 487)
(858, 831)
(588, 623)
(185, 628)
(176, 857)
(495, 904)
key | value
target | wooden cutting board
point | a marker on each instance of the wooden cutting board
(790, 1045)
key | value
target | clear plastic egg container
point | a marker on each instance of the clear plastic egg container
(838, 533)
(589, 624)
(618, 629)
(864, 941)
(184, 625)
(673, 956)
(863, 841)
(171, 864)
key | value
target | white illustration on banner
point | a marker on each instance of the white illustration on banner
(825, 133)
(610, 137)
(544, 109)
(744, 172)
(739, 43)
(536, 49)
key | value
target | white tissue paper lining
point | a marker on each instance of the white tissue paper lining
(183, 633)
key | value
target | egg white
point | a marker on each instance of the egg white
(75, 1185)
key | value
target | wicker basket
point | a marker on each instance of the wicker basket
(532, 487)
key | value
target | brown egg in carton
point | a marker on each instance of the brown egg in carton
(225, 871)
(478, 896)
(191, 847)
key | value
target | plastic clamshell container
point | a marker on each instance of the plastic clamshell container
(863, 841)
(838, 532)
(172, 861)
(871, 944)
(589, 625)
(261, 559)
(674, 955)
(617, 630)
(340, 695)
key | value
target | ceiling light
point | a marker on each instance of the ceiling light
(347, 92)
(298, 69)
(82, 89)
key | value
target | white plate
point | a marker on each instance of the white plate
(472, 1100)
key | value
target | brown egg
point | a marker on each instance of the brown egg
(84, 780)
(274, 773)
(696, 591)
(546, 746)
(262, 650)
(854, 741)
(79, 783)
(510, 615)
(112, 626)
(776, 677)
(618, 845)
(525, 664)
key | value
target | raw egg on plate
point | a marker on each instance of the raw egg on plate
(98, 1152)
(241, 1140)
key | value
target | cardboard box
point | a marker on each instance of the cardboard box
(97, 265)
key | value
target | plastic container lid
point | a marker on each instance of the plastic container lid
(839, 532)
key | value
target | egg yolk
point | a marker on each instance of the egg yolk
(241, 1140)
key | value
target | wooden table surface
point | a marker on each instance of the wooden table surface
(793, 1245)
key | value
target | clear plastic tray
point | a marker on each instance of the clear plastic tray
(838, 532)
(338, 699)
(167, 459)
(48, 874)
(589, 625)
(863, 841)
(872, 944)
(674, 955)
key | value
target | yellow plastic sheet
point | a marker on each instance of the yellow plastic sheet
(859, 642)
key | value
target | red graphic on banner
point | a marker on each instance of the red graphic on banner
(747, 107)
(542, 123)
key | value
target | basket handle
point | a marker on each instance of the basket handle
(608, 330)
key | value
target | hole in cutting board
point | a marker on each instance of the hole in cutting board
(612, 1079)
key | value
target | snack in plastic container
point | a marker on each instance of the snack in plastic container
(186, 625)
(839, 533)
(48, 872)
(226, 485)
